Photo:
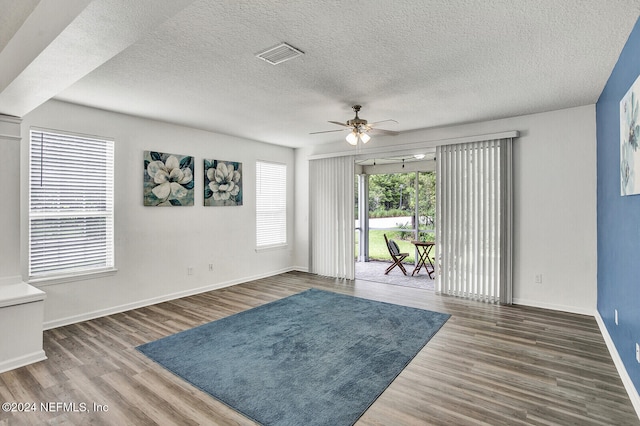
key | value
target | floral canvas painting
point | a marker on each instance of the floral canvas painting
(629, 138)
(168, 179)
(222, 183)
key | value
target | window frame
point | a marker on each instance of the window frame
(279, 209)
(82, 206)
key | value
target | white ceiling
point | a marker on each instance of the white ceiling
(425, 63)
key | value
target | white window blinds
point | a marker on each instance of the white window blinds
(70, 204)
(271, 204)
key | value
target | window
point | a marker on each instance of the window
(271, 204)
(70, 205)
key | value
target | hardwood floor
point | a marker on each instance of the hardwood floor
(488, 365)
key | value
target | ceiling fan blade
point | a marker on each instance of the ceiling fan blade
(339, 123)
(383, 121)
(327, 131)
(384, 132)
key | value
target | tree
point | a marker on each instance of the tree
(396, 191)
(426, 197)
(386, 190)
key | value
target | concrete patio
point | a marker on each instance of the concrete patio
(374, 271)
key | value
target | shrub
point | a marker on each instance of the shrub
(404, 235)
(389, 213)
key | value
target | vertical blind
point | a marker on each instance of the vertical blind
(331, 217)
(271, 204)
(70, 204)
(474, 220)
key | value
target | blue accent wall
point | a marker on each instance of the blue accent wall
(618, 217)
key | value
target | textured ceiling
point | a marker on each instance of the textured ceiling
(12, 17)
(422, 63)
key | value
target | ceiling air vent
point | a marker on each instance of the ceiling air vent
(280, 53)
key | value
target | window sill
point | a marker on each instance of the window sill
(272, 247)
(71, 277)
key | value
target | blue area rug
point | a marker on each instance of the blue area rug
(314, 358)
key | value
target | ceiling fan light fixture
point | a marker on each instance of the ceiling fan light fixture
(358, 128)
(352, 138)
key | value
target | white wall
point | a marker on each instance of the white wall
(554, 204)
(10, 205)
(155, 245)
(555, 211)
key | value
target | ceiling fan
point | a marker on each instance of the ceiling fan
(359, 128)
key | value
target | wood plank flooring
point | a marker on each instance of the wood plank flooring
(488, 365)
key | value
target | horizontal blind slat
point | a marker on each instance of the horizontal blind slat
(70, 203)
(271, 204)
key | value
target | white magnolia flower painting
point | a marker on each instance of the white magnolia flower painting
(168, 179)
(222, 183)
(629, 141)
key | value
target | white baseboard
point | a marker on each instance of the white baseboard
(154, 300)
(622, 371)
(21, 361)
(562, 308)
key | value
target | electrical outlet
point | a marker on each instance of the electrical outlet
(638, 352)
(615, 315)
(539, 279)
(211, 267)
(190, 270)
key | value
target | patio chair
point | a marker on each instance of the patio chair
(396, 256)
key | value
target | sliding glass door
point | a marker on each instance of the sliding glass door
(400, 205)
